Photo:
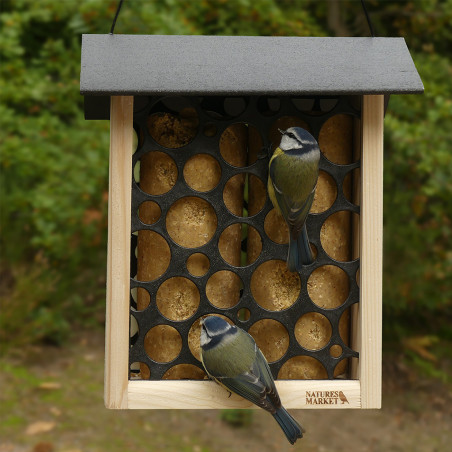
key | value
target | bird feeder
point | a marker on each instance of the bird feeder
(192, 231)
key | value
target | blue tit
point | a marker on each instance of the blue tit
(231, 358)
(292, 177)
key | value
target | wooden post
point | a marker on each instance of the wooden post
(356, 191)
(371, 245)
(118, 260)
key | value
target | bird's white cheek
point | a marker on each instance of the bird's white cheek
(288, 143)
(284, 143)
(204, 338)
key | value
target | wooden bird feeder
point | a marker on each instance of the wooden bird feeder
(191, 228)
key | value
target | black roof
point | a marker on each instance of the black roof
(245, 65)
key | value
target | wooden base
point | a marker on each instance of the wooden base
(336, 394)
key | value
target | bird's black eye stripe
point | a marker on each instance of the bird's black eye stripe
(291, 135)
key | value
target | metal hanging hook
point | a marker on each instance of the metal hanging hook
(366, 13)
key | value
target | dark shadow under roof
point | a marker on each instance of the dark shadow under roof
(245, 65)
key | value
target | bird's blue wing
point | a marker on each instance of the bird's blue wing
(267, 378)
(256, 385)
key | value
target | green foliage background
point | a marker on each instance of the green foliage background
(54, 164)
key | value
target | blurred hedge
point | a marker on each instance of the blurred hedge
(54, 164)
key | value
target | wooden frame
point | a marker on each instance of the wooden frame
(363, 391)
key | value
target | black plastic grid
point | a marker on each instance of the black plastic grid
(258, 113)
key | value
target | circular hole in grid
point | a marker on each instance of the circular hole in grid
(149, 212)
(141, 297)
(276, 228)
(240, 144)
(202, 172)
(243, 314)
(341, 371)
(302, 368)
(268, 106)
(194, 335)
(335, 351)
(325, 193)
(177, 298)
(223, 289)
(209, 130)
(240, 244)
(304, 104)
(336, 139)
(252, 242)
(173, 123)
(335, 235)
(327, 104)
(162, 343)
(255, 194)
(153, 255)
(232, 195)
(139, 371)
(234, 144)
(184, 372)
(350, 186)
(284, 123)
(133, 329)
(274, 287)
(234, 106)
(313, 331)
(229, 244)
(342, 367)
(198, 264)
(328, 286)
(191, 222)
(271, 337)
(244, 195)
(214, 107)
(315, 105)
(136, 143)
(255, 147)
(155, 172)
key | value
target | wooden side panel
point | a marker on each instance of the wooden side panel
(118, 260)
(335, 394)
(371, 246)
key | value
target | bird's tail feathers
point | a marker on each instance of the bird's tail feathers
(299, 252)
(291, 428)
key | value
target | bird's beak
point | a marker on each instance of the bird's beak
(282, 132)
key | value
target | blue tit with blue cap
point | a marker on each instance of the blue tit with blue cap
(232, 358)
(292, 178)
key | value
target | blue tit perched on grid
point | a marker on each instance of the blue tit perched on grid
(231, 357)
(292, 177)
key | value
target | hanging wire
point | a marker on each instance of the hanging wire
(116, 17)
(369, 22)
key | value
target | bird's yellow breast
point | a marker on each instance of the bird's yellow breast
(231, 357)
(270, 189)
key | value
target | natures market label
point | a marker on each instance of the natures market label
(325, 398)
